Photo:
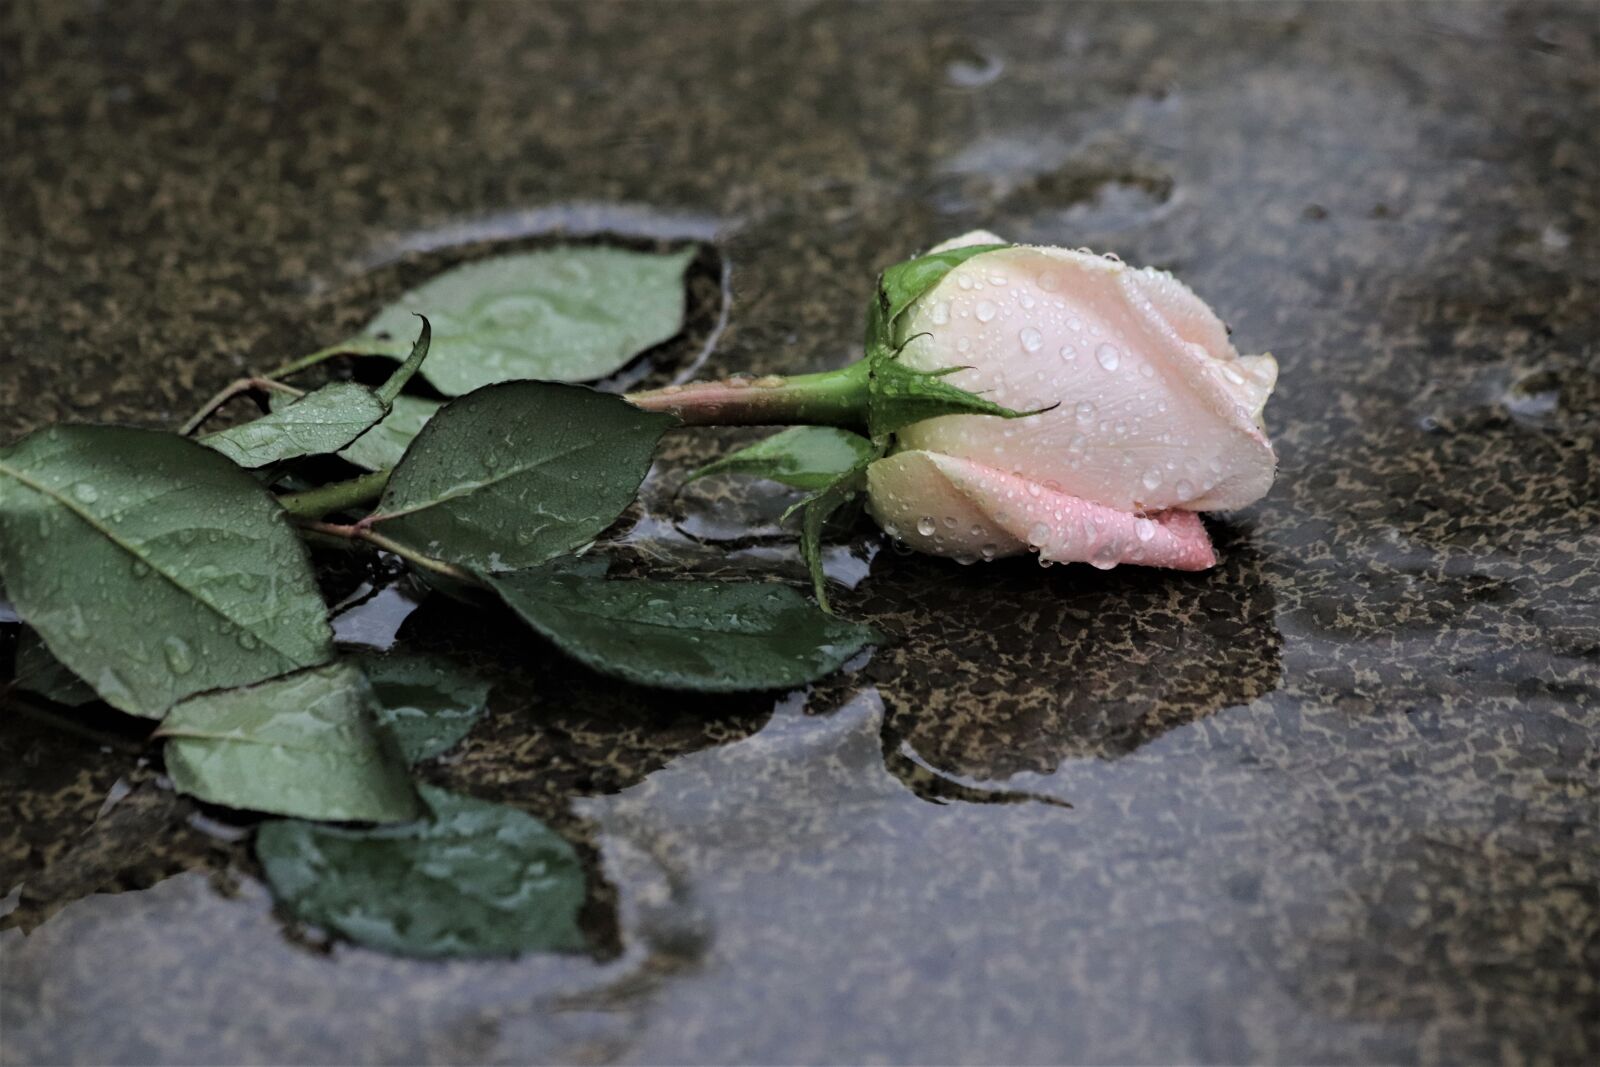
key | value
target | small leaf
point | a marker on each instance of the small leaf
(427, 703)
(154, 568)
(305, 744)
(560, 314)
(476, 879)
(320, 422)
(715, 637)
(39, 672)
(513, 475)
(382, 446)
(806, 457)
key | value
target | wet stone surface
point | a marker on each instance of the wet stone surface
(1335, 800)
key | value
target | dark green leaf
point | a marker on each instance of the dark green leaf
(476, 879)
(427, 703)
(806, 457)
(560, 314)
(305, 744)
(513, 475)
(706, 636)
(382, 446)
(40, 672)
(152, 567)
(318, 423)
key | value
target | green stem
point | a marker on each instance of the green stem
(228, 392)
(355, 346)
(831, 398)
(358, 532)
(336, 496)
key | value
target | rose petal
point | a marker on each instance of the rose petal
(1145, 418)
(913, 494)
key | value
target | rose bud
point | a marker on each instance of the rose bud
(1016, 398)
(1152, 414)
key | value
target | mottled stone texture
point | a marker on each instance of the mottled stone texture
(1334, 801)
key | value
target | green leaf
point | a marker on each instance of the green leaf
(560, 314)
(305, 744)
(477, 879)
(152, 567)
(427, 703)
(513, 475)
(39, 672)
(715, 637)
(806, 457)
(318, 423)
(382, 446)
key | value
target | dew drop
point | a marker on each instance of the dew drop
(1107, 355)
(940, 314)
(1049, 281)
(180, 657)
(988, 551)
(1151, 478)
(985, 310)
(925, 526)
(85, 492)
(1038, 534)
(1085, 411)
(1031, 339)
(1185, 489)
(1144, 528)
(964, 280)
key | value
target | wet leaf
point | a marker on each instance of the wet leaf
(806, 457)
(306, 744)
(561, 314)
(426, 702)
(40, 672)
(382, 446)
(152, 567)
(476, 879)
(318, 423)
(516, 474)
(706, 636)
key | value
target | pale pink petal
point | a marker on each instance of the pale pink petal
(916, 495)
(1144, 418)
(912, 499)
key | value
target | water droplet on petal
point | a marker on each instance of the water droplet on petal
(1107, 355)
(1038, 534)
(1185, 489)
(925, 526)
(940, 312)
(1085, 411)
(1031, 339)
(1151, 478)
(985, 310)
(1145, 528)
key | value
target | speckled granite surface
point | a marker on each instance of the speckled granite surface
(1334, 801)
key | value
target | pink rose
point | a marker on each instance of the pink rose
(1153, 415)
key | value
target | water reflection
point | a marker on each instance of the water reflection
(1037, 669)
